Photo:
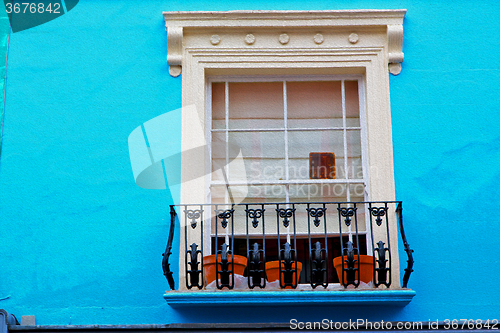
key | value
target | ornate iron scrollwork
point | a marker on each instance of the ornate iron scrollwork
(224, 215)
(287, 255)
(316, 213)
(351, 269)
(382, 269)
(255, 215)
(409, 251)
(168, 251)
(347, 212)
(285, 214)
(255, 273)
(224, 274)
(193, 214)
(378, 212)
(194, 274)
(319, 273)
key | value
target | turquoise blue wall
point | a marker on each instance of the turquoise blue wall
(81, 243)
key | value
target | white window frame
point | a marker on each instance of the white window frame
(243, 43)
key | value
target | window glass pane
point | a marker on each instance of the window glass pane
(310, 104)
(267, 193)
(256, 105)
(259, 144)
(248, 194)
(274, 123)
(218, 193)
(265, 169)
(313, 104)
(357, 192)
(302, 143)
(218, 155)
(332, 192)
(352, 103)
(218, 105)
(263, 153)
(354, 165)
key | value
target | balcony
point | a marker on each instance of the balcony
(284, 253)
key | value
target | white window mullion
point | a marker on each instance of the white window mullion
(285, 125)
(364, 138)
(226, 117)
(344, 131)
(290, 182)
(281, 129)
(346, 174)
(208, 181)
(364, 162)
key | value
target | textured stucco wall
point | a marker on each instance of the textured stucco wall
(81, 243)
(4, 39)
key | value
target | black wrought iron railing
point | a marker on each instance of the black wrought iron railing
(287, 244)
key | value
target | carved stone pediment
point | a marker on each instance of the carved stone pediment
(284, 32)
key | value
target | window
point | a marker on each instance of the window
(335, 64)
(282, 127)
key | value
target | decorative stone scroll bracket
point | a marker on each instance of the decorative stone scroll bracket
(174, 57)
(222, 27)
(396, 55)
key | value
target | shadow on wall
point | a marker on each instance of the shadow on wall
(261, 314)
